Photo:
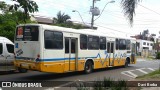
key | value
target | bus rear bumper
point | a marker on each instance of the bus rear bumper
(27, 65)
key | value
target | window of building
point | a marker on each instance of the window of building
(151, 44)
(144, 43)
(145, 47)
(10, 48)
(1, 48)
(53, 40)
(122, 44)
(147, 44)
(93, 42)
(102, 43)
(83, 41)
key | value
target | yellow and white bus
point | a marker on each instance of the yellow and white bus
(56, 49)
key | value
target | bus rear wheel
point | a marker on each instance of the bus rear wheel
(22, 70)
(88, 67)
(126, 64)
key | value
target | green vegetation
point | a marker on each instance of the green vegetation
(63, 20)
(151, 76)
(10, 18)
(158, 55)
(28, 6)
(129, 9)
(105, 84)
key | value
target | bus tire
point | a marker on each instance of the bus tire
(126, 64)
(88, 67)
(22, 70)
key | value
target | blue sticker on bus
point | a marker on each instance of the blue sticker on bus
(16, 45)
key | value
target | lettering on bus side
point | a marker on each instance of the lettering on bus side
(19, 52)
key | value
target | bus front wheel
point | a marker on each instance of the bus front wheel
(22, 70)
(88, 67)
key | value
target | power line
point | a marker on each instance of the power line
(149, 9)
(103, 9)
(112, 29)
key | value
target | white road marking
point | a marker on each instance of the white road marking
(151, 69)
(49, 89)
(127, 75)
(62, 85)
(132, 73)
(142, 71)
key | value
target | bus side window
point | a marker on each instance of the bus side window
(83, 41)
(102, 43)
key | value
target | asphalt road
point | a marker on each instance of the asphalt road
(140, 68)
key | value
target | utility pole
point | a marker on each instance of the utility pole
(92, 20)
(95, 11)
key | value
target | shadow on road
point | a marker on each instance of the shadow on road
(8, 72)
(52, 76)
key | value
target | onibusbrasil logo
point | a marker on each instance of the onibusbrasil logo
(20, 84)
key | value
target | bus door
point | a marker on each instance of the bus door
(71, 48)
(110, 49)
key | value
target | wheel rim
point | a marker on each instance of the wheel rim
(88, 67)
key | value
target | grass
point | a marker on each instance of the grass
(147, 58)
(151, 76)
(111, 84)
(105, 84)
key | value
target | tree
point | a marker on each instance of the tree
(129, 9)
(27, 5)
(61, 18)
(9, 20)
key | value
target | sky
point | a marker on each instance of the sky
(112, 20)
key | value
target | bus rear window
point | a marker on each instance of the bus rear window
(27, 33)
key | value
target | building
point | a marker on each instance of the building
(145, 47)
(42, 20)
(144, 44)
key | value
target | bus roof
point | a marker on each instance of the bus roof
(81, 31)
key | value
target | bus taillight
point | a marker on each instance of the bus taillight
(38, 57)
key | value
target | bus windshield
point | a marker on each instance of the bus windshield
(27, 33)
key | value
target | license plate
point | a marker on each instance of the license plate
(24, 65)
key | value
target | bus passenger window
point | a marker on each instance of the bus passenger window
(53, 40)
(117, 44)
(122, 44)
(93, 42)
(102, 43)
(83, 41)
